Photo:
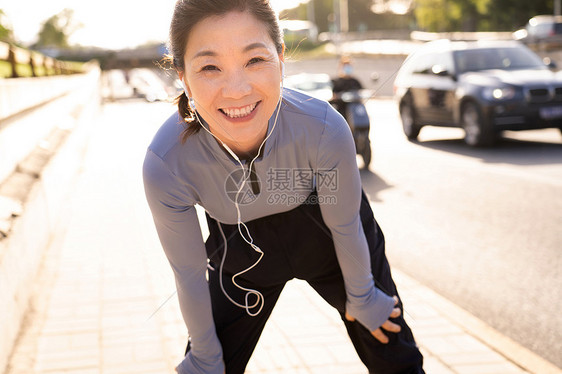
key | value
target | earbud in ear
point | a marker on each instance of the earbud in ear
(191, 101)
(182, 83)
(282, 70)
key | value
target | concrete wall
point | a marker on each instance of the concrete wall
(20, 133)
(40, 187)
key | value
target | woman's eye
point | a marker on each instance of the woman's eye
(209, 68)
(255, 60)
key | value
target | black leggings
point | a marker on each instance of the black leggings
(298, 244)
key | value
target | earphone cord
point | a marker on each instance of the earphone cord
(259, 301)
(248, 237)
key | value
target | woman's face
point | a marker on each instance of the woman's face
(233, 72)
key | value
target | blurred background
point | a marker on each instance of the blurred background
(84, 87)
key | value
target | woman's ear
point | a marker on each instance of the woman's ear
(282, 60)
(184, 84)
(282, 54)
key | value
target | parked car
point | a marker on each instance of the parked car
(483, 87)
(541, 33)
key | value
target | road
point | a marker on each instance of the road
(479, 226)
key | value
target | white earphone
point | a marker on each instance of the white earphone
(191, 101)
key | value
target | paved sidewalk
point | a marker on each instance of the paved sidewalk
(105, 299)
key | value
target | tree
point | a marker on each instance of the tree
(514, 14)
(432, 15)
(56, 30)
(450, 15)
(477, 15)
(6, 32)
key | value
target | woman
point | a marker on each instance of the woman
(276, 173)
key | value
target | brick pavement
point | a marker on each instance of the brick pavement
(105, 300)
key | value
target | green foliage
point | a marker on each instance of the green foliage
(22, 69)
(56, 30)
(514, 14)
(6, 32)
(477, 15)
(431, 15)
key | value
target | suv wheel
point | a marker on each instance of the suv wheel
(477, 132)
(407, 114)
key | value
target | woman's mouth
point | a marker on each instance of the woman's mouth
(236, 113)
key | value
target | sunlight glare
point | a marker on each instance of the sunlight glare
(110, 24)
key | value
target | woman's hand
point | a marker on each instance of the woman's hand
(388, 325)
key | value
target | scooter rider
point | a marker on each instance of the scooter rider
(344, 83)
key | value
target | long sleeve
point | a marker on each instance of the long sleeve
(180, 235)
(339, 191)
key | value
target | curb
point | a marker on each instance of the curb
(481, 331)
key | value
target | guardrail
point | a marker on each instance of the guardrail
(36, 61)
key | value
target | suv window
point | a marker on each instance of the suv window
(496, 58)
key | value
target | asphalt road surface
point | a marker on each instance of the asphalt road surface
(480, 226)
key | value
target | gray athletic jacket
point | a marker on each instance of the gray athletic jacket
(310, 148)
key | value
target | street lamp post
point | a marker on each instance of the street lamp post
(344, 17)
(336, 11)
(341, 21)
(310, 12)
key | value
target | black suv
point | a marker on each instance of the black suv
(483, 87)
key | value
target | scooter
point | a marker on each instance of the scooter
(350, 104)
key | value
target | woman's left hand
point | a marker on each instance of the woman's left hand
(388, 325)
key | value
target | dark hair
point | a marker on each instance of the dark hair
(187, 13)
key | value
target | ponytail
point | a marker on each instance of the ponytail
(192, 125)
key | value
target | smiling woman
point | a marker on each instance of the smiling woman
(237, 126)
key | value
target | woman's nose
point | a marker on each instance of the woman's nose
(236, 85)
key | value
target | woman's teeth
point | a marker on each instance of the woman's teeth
(239, 112)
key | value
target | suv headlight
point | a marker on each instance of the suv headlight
(499, 93)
